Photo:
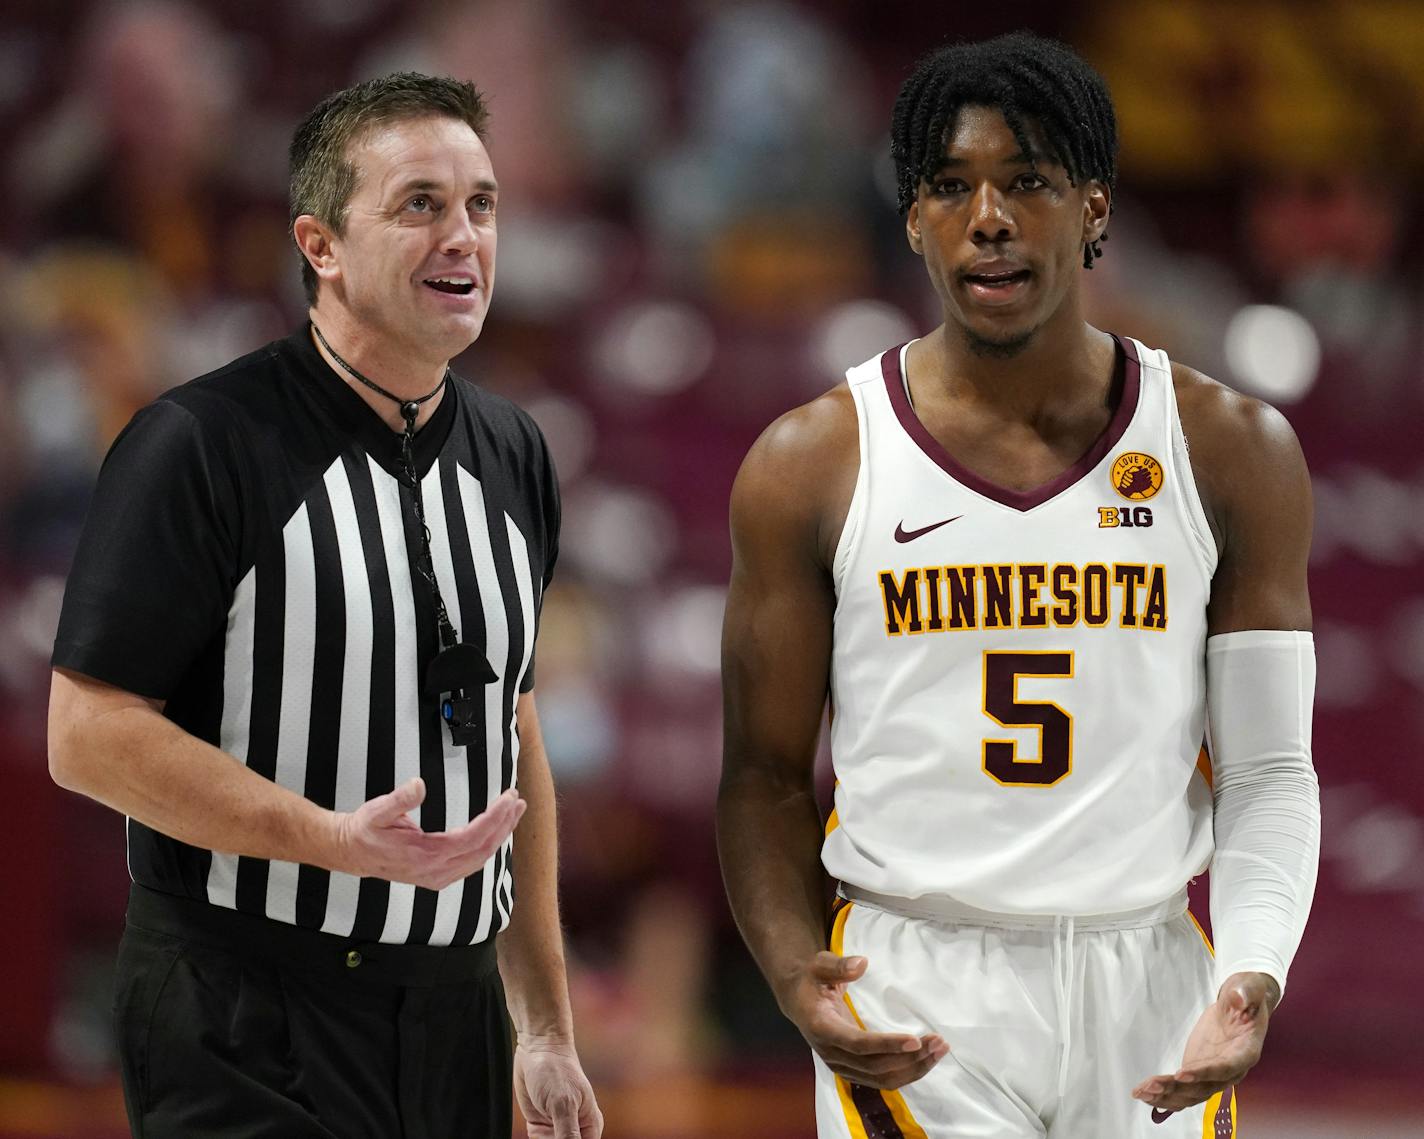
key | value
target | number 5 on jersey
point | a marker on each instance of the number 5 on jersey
(1002, 761)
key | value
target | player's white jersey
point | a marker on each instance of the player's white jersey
(1018, 678)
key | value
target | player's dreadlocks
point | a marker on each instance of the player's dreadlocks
(1027, 78)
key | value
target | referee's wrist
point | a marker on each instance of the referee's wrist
(322, 838)
(544, 1041)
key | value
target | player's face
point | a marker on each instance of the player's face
(416, 261)
(1002, 232)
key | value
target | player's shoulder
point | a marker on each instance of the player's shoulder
(803, 454)
(797, 479)
(814, 433)
(1244, 454)
(1229, 424)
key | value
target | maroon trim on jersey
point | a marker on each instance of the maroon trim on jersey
(1018, 499)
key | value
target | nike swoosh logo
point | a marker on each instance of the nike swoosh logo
(1160, 1116)
(903, 535)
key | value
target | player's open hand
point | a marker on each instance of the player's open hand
(819, 1009)
(1223, 1047)
(380, 839)
(554, 1095)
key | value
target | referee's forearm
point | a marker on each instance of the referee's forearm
(531, 949)
(120, 750)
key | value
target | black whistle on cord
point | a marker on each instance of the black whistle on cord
(461, 671)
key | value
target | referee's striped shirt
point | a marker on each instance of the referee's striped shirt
(250, 558)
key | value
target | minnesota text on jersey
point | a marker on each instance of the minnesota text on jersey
(937, 599)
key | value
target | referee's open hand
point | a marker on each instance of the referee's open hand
(380, 839)
(822, 1011)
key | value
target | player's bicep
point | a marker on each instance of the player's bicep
(776, 640)
(1260, 581)
(775, 663)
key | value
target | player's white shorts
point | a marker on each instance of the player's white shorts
(1051, 1022)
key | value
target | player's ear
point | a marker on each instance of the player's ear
(317, 244)
(1097, 205)
(912, 228)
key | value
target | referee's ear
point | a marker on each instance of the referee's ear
(317, 244)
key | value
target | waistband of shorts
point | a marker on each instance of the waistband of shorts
(942, 909)
(307, 950)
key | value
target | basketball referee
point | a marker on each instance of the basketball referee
(297, 651)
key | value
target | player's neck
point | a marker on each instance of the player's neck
(379, 362)
(1061, 363)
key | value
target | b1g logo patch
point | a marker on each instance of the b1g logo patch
(1136, 476)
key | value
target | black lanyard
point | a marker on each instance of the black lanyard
(456, 667)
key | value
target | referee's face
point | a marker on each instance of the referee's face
(415, 264)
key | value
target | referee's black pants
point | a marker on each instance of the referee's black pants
(231, 1025)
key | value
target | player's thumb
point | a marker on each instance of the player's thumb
(833, 969)
(1243, 992)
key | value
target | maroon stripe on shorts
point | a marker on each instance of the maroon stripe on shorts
(874, 1113)
(1222, 1127)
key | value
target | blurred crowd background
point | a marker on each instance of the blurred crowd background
(698, 233)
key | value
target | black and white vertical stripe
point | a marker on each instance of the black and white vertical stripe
(335, 631)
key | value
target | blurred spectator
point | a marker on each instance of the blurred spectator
(133, 158)
(94, 323)
(1329, 242)
(763, 196)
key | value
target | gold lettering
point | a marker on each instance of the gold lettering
(902, 602)
(962, 596)
(1131, 578)
(935, 623)
(1032, 614)
(1154, 614)
(933, 599)
(1065, 592)
(1095, 594)
(998, 597)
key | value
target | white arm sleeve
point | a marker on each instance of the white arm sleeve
(1260, 690)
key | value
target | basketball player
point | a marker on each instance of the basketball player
(1033, 566)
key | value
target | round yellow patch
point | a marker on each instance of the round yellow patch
(1136, 476)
